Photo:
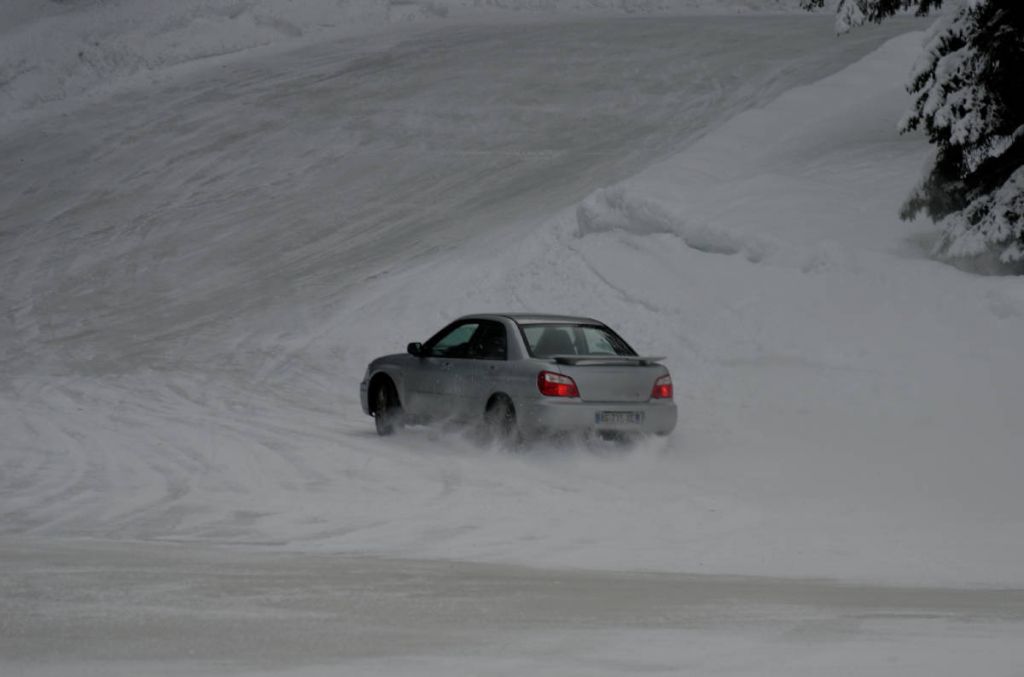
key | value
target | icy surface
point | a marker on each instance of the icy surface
(101, 609)
(193, 279)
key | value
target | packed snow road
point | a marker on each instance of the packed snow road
(111, 609)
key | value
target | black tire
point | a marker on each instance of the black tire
(500, 422)
(387, 411)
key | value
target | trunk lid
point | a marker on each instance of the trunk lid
(602, 379)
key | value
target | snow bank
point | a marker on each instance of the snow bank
(53, 50)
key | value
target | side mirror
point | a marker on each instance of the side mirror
(415, 349)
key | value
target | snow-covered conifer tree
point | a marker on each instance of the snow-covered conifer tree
(968, 90)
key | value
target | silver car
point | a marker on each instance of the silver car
(522, 375)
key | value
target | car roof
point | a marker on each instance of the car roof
(536, 318)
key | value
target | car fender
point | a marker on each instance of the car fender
(394, 367)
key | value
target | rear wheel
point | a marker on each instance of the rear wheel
(500, 421)
(387, 411)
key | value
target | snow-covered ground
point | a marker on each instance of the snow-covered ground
(849, 408)
(191, 301)
(194, 276)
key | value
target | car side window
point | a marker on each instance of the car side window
(454, 342)
(489, 342)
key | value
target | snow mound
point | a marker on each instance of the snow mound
(615, 208)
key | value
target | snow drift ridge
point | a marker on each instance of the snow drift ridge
(614, 208)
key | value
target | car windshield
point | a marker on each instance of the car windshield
(546, 340)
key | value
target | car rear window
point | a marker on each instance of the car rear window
(547, 340)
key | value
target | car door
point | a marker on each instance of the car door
(478, 377)
(434, 380)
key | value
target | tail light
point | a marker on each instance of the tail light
(662, 388)
(556, 385)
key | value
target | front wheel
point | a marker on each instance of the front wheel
(387, 410)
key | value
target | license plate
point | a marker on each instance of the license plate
(619, 417)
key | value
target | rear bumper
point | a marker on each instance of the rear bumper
(572, 415)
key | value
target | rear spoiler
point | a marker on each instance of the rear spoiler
(637, 360)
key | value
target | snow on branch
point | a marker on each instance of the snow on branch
(969, 100)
